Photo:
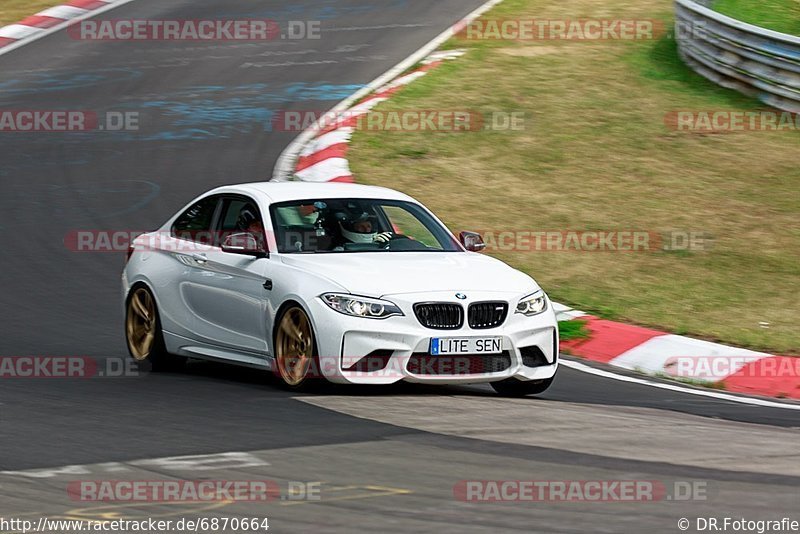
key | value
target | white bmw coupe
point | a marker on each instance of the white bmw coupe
(348, 283)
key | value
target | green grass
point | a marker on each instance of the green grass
(12, 11)
(779, 15)
(595, 154)
(570, 330)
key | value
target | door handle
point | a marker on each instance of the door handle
(202, 259)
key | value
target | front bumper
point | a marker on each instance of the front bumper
(354, 350)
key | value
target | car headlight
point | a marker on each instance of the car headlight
(361, 306)
(532, 304)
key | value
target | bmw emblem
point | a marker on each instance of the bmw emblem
(461, 296)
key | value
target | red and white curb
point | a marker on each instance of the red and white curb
(661, 354)
(51, 20)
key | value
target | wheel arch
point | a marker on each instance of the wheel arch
(136, 285)
(149, 287)
(286, 304)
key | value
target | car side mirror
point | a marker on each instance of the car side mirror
(244, 243)
(472, 241)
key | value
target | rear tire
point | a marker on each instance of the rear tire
(518, 388)
(143, 333)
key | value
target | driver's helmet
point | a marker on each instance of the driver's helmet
(247, 216)
(358, 228)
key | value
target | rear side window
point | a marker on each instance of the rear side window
(194, 224)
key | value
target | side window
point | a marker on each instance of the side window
(241, 214)
(194, 224)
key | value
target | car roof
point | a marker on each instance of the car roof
(287, 191)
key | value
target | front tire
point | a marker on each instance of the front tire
(143, 332)
(296, 358)
(518, 388)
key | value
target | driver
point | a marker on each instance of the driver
(248, 221)
(360, 229)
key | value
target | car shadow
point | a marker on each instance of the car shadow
(259, 378)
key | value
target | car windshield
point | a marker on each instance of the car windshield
(344, 225)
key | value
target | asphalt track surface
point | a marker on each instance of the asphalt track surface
(387, 458)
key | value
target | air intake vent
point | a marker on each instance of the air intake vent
(533, 357)
(470, 364)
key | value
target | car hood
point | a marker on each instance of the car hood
(387, 273)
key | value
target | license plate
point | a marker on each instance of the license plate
(466, 345)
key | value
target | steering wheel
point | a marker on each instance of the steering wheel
(394, 237)
(404, 244)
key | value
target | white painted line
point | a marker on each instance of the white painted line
(569, 315)
(197, 462)
(18, 31)
(565, 313)
(670, 387)
(204, 462)
(444, 54)
(338, 120)
(559, 308)
(284, 168)
(58, 27)
(403, 80)
(366, 106)
(63, 12)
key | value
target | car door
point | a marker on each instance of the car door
(176, 263)
(229, 294)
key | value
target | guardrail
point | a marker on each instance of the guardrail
(740, 56)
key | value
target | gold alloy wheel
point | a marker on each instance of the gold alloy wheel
(294, 346)
(140, 324)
